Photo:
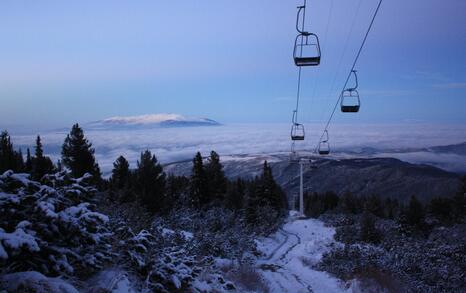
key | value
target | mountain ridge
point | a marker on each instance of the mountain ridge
(149, 121)
(386, 177)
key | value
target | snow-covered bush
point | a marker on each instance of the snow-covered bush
(50, 227)
(164, 258)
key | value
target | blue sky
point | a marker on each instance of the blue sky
(62, 62)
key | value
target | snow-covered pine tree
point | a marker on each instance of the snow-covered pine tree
(50, 228)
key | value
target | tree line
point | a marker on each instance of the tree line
(413, 216)
(77, 155)
(258, 200)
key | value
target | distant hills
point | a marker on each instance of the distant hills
(149, 121)
(457, 149)
(385, 177)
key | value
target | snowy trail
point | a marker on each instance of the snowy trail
(292, 251)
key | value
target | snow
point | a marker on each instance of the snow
(3, 254)
(167, 232)
(290, 254)
(187, 235)
(147, 120)
(201, 286)
(176, 281)
(7, 197)
(6, 174)
(34, 282)
(79, 212)
(48, 209)
(23, 178)
(18, 239)
(112, 280)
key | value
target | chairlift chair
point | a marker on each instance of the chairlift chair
(297, 129)
(297, 132)
(324, 146)
(306, 50)
(350, 101)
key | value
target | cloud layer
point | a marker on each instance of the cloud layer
(173, 144)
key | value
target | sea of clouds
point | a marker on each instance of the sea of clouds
(401, 141)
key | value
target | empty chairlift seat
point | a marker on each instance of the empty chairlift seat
(350, 101)
(297, 131)
(306, 50)
(324, 145)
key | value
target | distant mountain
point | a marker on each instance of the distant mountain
(458, 149)
(149, 121)
(386, 177)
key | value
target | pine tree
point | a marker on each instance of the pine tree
(176, 190)
(28, 164)
(272, 194)
(150, 182)
(234, 198)
(264, 194)
(459, 202)
(8, 157)
(373, 205)
(369, 232)
(415, 213)
(441, 208)
(253, 202)
(78, 154)
(199, 189)
(39, 150)
(59, 166)
(41, 165)
(216, 177)
(20, 161)
(120, 173)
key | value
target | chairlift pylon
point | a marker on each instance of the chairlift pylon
(350, 101)
(324, 145)
(294, 156)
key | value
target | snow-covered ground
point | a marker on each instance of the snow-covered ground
(290, 254)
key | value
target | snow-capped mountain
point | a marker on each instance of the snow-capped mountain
(149, 121)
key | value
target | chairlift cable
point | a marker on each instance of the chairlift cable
(345, 48)
(301, 52)
(324, 45)
(349, 74)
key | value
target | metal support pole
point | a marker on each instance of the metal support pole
(301, 191)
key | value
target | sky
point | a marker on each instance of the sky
(63, 62)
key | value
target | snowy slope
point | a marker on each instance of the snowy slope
(291, 253)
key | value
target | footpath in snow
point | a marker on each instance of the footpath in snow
(290, 254)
